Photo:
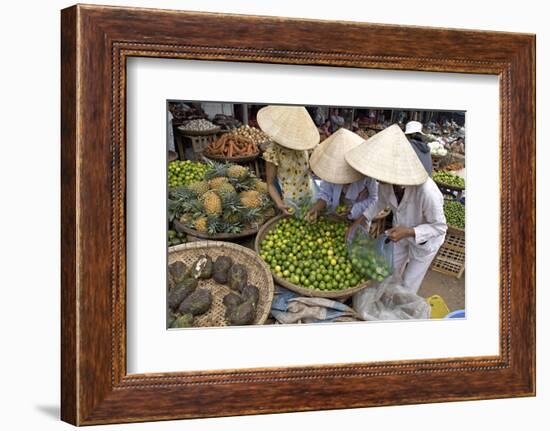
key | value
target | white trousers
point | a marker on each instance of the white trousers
(409, 266)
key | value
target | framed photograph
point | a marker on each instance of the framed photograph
(259, 216)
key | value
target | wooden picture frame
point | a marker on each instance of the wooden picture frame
(95, 43)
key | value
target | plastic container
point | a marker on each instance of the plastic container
(440, 310)
(457, 314)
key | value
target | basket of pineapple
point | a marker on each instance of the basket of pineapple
(229, 202)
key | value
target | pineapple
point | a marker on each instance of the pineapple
(231, 217)
(212, 203)
(201, 224)
(237, 171)
(185, 218)
(216, 169)
(226, 188)
(215, 225)
(198, 187)
(261, 187)
(251, 199)
(231, 202)
(216, 182)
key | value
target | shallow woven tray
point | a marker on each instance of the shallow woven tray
(258, 275)
(451, 257)
(264, 230)
(199, 132)
(180, 227)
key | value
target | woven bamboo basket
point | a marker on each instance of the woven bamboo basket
(264, 230)
(449, 187)
(451, 257)
(180, 227)
(231, 159)
(208, 132)
(258, 275)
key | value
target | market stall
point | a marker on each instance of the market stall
(218, 205)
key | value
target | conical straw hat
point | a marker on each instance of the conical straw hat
(328, 161)
(289, 126)
(388, 157)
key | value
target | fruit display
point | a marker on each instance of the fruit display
(455, 214)
(449, 179)
(176, 238)
(366, 259)
(232, 146)
(256, 135)
(229, 198)
(184, 172)
(310, 255)
(198, 125)
(187, 299)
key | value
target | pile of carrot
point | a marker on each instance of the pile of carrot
(231, 145)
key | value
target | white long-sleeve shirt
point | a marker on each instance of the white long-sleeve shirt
(331, 193)
(420, 208)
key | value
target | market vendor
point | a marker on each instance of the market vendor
(341, 185)
(419, 224)
(293, 133)
(414, 133)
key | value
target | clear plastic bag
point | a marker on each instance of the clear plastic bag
(371, 258)
(390, 300)
(299, 208)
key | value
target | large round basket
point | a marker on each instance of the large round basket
(264, 230)
(449, 186)
(180, 227)
(232, 159)
(258, 275)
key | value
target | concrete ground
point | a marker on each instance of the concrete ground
(451, 289)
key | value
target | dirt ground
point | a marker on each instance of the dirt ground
(451, 289)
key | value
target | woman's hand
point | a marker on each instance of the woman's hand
(398, 233)
(311, 215)
(313, 212)
(284, 208)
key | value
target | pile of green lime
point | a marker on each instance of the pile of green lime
(455, 214)
(310, 255)
(176, 238)
(448, 178)
(184, 172)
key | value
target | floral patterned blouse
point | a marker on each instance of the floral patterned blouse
(292, 171)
